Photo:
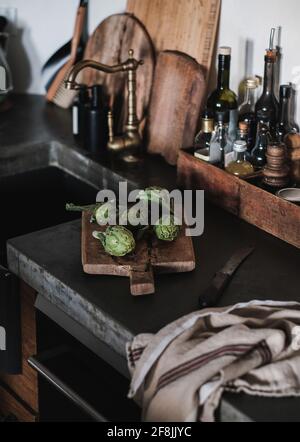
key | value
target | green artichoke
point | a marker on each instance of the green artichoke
(104, 213)
(131, 216)
(154, 194)
(167, 228)
(116, 240)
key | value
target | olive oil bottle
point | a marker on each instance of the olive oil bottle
(223, 98)
(267, 107)
(240, 167)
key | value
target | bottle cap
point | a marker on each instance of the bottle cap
(224, 50)
(240, 146)
(251, 83)
(222, 117)
(271, 55)
(243, 126)
(285, 91)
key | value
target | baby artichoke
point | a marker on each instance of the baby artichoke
(102, 213)
(167, 228)
(116, 240)
(135, 218)
(154, 194)
(106, 214)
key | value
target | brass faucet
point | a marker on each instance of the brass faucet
(128, 143)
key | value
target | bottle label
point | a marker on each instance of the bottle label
(75, 120)
(229, 158)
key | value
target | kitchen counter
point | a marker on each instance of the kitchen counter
(103, 305)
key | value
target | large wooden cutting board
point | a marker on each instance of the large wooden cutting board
(109, 44)
(188, 26)
(178, 92)
(148, 258)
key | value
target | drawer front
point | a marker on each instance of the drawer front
(25, 385)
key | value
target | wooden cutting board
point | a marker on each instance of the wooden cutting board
(188, 26)
(179, 89)
(109, 44)
(156, 256)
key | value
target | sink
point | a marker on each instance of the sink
(37, 181)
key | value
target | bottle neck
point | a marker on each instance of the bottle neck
(240, 157)
(207, 125)
(224, 72)
(284, 117)
(262, 140)
(222, 129)
(269, 77)
(250, 98)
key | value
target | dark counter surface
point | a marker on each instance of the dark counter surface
(104, 304)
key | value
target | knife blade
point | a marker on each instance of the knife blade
(211, 296)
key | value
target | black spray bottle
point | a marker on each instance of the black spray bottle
(79, 115)
(97, 126)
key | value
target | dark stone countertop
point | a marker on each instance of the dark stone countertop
(104, 304)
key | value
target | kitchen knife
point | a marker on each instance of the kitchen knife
(213, 293)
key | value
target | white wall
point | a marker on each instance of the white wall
(45, 25)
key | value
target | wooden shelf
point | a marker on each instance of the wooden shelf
(264, 210)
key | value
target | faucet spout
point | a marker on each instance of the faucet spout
(130, 65)
(131, 140)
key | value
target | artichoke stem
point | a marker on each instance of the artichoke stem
(74, 208)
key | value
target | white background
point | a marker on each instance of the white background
(44, 25)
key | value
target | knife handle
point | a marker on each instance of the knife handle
(211, 296)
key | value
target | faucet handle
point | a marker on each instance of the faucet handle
(131, 57)
(110, 121)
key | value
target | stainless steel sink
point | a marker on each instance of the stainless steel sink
(37, 181)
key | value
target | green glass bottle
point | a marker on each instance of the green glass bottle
(223, 98)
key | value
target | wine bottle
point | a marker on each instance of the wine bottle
(284, 126)
(223, 98)
(221, 144)
(247, 110)
(203, 138)
(267, 107)
(258, 154)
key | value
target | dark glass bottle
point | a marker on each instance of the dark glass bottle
(247, 110)
(284, 126)
(223, 98)
(79, 115)
(97, 132)
(221, 144)
(203, 138)
(267, 107)
(258, 154)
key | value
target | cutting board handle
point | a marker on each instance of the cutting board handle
(142, 280)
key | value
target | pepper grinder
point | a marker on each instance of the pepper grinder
(276, 172)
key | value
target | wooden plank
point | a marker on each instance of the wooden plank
(110, 44)
(26, 385)
(250, 203)
(10, 405)
(192, 173)
(181, 252)
(178, 91)
(162, 257)
(270, 213)
(188, 26)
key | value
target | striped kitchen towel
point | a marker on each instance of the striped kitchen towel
(180, 374)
